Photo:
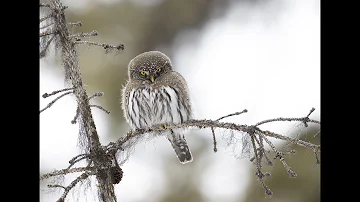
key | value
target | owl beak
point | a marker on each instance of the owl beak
(152, 78)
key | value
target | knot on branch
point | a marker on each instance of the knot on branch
(116, 174)
(306, 120)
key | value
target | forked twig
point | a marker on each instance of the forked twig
(213, 131)
(56, 99)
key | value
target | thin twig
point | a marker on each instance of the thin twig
(52, 102)
(304, 119)
(45, 33)
(262, 150)
(287, 167)
(213, 131)
(42, 53)
(233, 114)
(46, 17)
(105, 46)
(214, 139)
(77, 159)
(84, 34)
(44, 5)
(77, 24)
(76, 115)
(279, 155)
(55, 186)
(100, 107)
(63, 172)
(317, 133)
(45, 26)
(45, 95)
(292, 140)
(257, 158)
(72, 185)
(311, 111)
(97, 94)
(259, 173)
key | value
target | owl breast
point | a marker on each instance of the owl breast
(148, 107)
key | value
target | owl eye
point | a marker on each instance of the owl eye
(158, 70)
(142, 73)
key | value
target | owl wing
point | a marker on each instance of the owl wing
(178, 84)
(130, 85)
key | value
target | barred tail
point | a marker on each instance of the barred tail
(180, 147)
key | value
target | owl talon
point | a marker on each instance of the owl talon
(163, 127)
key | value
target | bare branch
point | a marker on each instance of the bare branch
(280, 156)
(42, 53)
(317, 157)
(97, 94)
(84, 34)
(52, 102)
(77, 159)
(100, 107)
(46, 17)
(317, 133)
(286, 166)
(259, 173)
(292, 140)
(261, 148)
(233, 114)
(311, 111)
(76, 116)
(45, 95)
(44, 5)
(214, 139)
(304, 120)
(45, 26)
(205, 123)
(47, 32)
(72, 185)
(63, 172)
(77, 24)
(55, 186)
(107, 47)
(212, 129)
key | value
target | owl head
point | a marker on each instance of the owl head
(148, 66)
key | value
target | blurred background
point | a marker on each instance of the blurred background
(259, 55)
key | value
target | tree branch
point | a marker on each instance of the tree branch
(63, 172)
(56, 99)
(72, 185)
(108, 48)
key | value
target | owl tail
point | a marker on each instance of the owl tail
(180, 146)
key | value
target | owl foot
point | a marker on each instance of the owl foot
(163, 127)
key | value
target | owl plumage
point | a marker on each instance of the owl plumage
(156, 95)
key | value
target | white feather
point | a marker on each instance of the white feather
(154, 118)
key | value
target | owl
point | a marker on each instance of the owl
(156, 95)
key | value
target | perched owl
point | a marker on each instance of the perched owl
(157, 95)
